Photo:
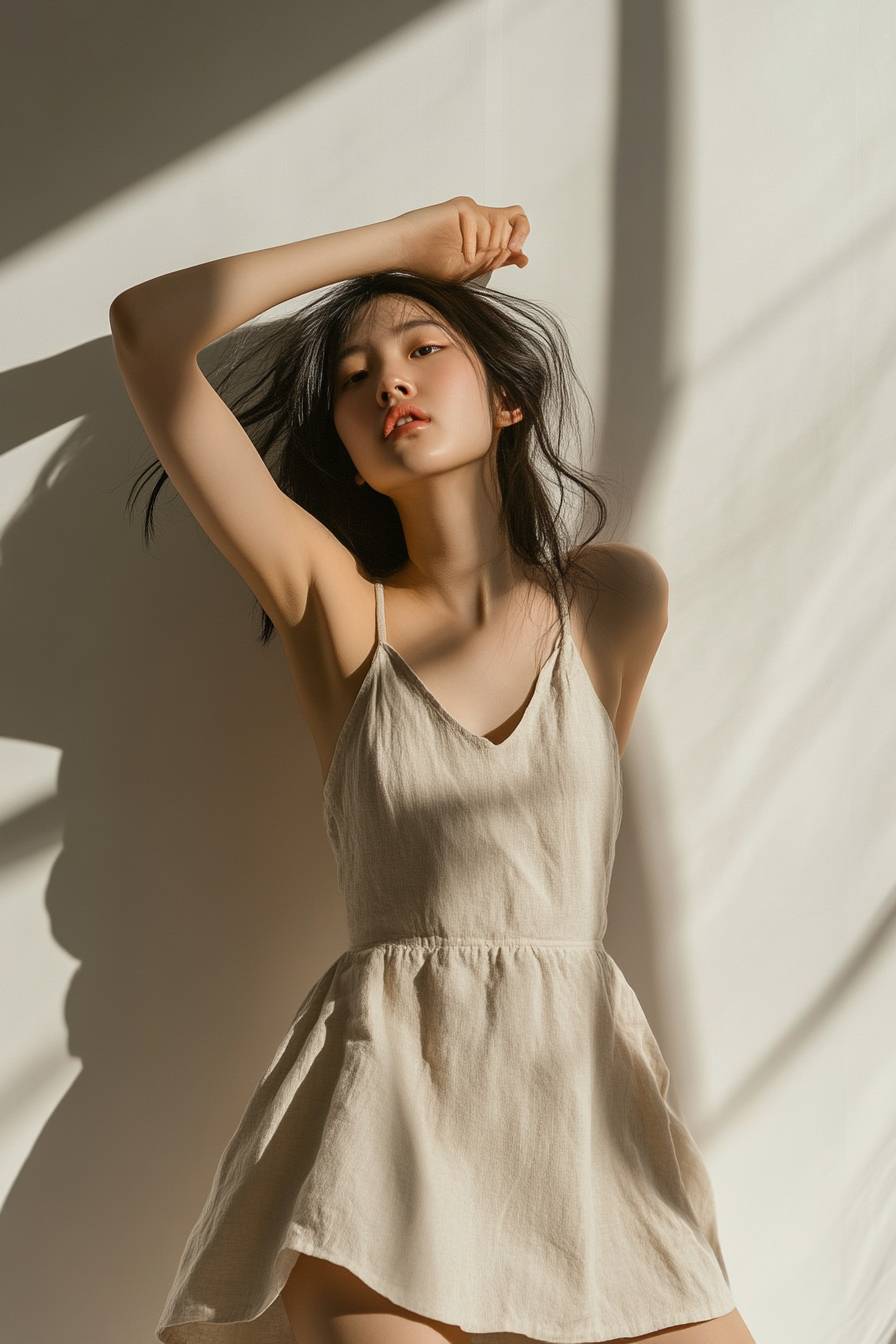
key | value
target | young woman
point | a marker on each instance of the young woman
(465, 1133)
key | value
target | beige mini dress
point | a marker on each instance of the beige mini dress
(469, 1109)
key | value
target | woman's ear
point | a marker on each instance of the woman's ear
(506, 418)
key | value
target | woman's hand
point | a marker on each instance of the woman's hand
(460, 239)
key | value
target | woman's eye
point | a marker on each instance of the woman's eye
(361, 372)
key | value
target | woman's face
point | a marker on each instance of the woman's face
(426, 364)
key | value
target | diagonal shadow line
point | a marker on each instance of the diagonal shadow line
(31, 830)
(96, 97)
(876, 234)
(872, 946)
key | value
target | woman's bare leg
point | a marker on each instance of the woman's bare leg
(727, 1329)
(327, 1304)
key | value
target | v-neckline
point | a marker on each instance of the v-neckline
(526, 710)
(479, 738)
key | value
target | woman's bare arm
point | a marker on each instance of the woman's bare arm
(158, 328)
(184, 311)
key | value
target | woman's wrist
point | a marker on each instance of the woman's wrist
(371, 247)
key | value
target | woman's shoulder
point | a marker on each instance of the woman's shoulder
(624, 626)
(629, 568)
(631, 585)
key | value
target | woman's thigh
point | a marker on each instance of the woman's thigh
(327, 1304)
(727, 1329)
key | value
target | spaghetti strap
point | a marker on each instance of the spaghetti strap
(380, 614)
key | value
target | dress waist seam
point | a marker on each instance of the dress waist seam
(436, 940)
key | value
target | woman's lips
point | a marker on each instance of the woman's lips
(403, 429)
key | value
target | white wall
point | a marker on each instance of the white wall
(712, 190)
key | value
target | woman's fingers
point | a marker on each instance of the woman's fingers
(495, 231)
(520, 223)
(520, 231)
(497, 235)
(483, 233)
(468, 236)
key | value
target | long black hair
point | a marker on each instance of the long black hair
(287, 367)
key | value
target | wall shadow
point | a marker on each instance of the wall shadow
(99, 96)
(188, 797)
(194, 884)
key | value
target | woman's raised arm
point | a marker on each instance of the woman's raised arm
(158, 328)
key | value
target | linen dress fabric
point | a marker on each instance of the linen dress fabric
(469, 1110)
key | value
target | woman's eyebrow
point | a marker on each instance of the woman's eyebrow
(395, 331)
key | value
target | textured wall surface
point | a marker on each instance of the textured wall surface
(712, 193)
